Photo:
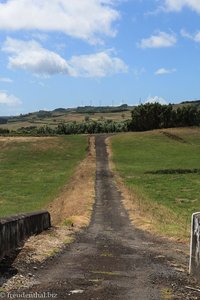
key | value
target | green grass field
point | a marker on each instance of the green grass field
(33, 170)
(169, 198)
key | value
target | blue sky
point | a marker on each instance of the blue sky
(64, 53)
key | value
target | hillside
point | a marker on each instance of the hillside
(187, 103)
(62, 115)
(79, 114)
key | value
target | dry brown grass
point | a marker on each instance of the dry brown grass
(39, 143)
(184, 130)
(70, 212)
(16, 125)
(24, 139)
(75, 201)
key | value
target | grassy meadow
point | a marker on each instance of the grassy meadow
(162, 172)
(33, 170)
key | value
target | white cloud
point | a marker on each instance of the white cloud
(160, 40)
(9, 100)
(31, 56)
(85, 19)
(163, 71)
(156, 99)
(178, 5)
(6, 80)
(194, 37)
(97, 65)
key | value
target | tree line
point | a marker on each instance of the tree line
(85, 127)
(144, 117)
(154, 116)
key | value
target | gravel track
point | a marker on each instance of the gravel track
(113, 260)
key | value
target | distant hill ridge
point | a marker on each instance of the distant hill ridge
(84, 110)
(79, 109)
(191, 102)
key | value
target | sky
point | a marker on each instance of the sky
(69, 53)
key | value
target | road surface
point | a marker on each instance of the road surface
(111, 259)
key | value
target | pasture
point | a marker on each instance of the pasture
(34, 170)
(161, 170)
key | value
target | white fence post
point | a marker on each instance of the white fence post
(194, 266)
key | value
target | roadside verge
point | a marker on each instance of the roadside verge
(70, 212)
(147, 215)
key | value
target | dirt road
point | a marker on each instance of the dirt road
(113, 260)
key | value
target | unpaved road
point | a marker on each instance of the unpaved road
(113, 260)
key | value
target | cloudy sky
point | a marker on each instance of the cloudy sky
(63, 53)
